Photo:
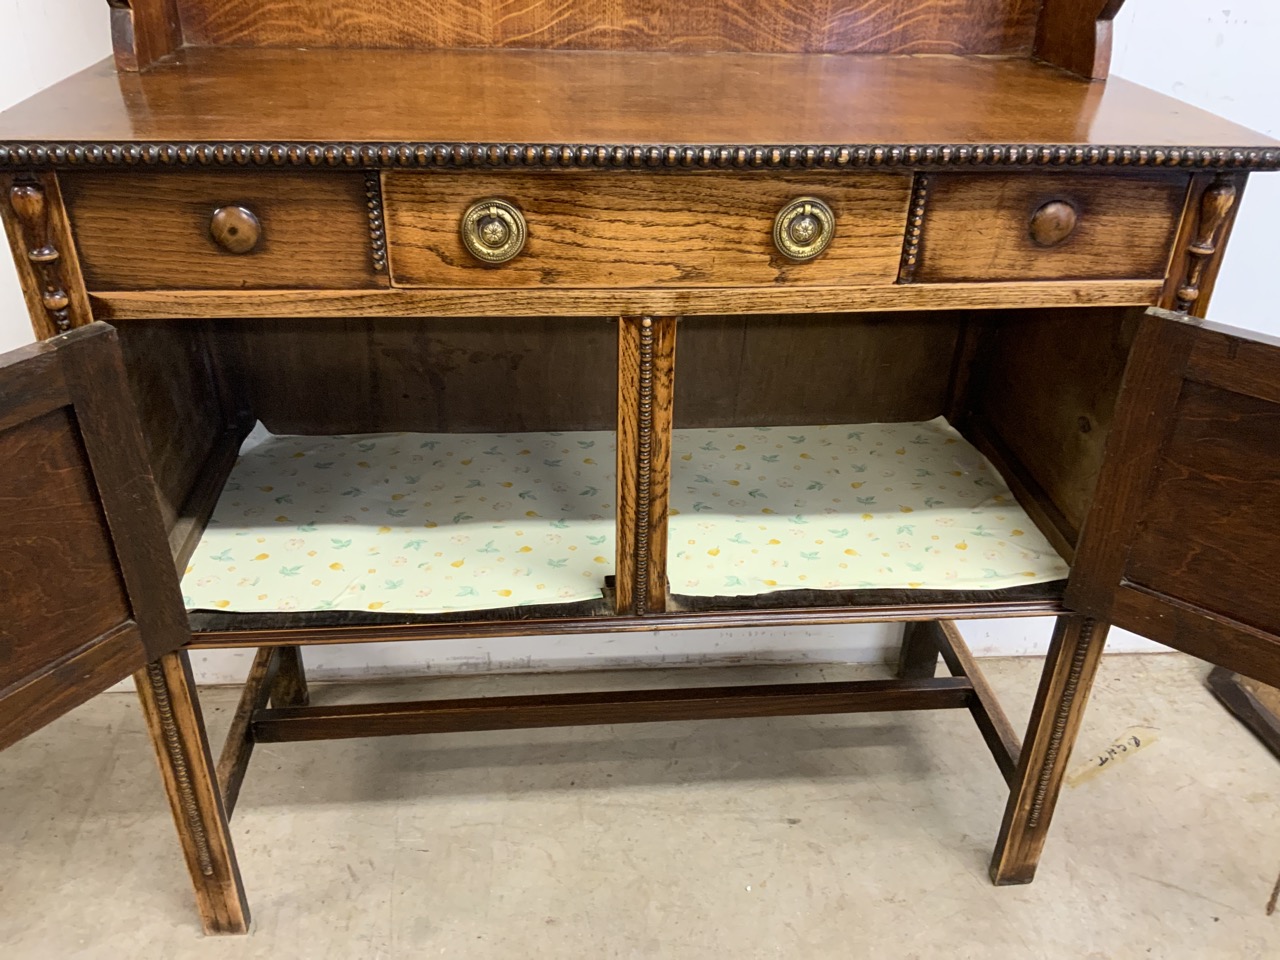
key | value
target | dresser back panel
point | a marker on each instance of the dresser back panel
(463, 375)
(766, 26)
(456, 375)
(825, 368)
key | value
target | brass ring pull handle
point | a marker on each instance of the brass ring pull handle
(493, 230)
(235, 229)
(803, 228)
(1053, 223)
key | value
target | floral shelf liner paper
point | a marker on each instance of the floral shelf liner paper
(409, 523)
(432, 523)
(850, 506)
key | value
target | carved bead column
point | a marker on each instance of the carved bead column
(172, 712)
(44, 254)
(1065, 682)
(646, 377)
(1213, 214)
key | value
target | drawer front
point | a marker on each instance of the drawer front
(160, 232)
(1062, 226)
(638, 230)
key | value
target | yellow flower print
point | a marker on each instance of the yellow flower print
(263, 556)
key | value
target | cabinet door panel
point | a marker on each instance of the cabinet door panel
(88, 591)
(1183, 542)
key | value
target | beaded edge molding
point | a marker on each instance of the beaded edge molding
(596, 156)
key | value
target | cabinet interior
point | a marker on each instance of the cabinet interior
(1034, 390)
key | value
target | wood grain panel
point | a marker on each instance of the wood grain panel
(592, 230)
(1045, 384)
(144, 31)
(1210, 525)
(171, 379)
(977, 227)
(429, 375)
(786, 370)
(214, 99)
(776, 26)
(69, 682)
(1076, 35)
(58, 569)
(668, 301)
(151, 232)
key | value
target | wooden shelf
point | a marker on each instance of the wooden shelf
(268, 97)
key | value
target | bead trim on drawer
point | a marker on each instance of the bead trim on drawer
(734, 156)
(377, 226)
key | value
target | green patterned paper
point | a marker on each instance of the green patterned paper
(432, 523)
(409, 523)
(853, 506)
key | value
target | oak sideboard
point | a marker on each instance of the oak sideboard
(367, 322)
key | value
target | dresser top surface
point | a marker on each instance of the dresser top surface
(211, 95)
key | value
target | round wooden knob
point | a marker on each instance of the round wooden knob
(493, 231)
(235, 229)
(1053, 223)
(803, 228)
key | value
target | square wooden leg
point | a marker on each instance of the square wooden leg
(290, 686)
(918, 659)
(1055, 720)
(177, 729)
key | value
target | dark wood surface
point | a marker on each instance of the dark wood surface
(1254, 704)
(1076, 35)
(824, 368)
(1041, 396)
(154, 232)
(88, 590)
(144, 31)
(1056, 715)
(836, 26)
(634, 706)
(171, 708)
(171, 376)
(237, 749)
(1184, 551)
(44, 253)
(643, 231)
(993, 723)
(979, 227)
(431, 375)
(208, 96)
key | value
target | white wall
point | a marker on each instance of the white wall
(1213, 55)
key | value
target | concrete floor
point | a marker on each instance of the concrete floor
(850, 837)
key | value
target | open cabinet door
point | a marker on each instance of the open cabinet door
(1183, 542)
(88, 590)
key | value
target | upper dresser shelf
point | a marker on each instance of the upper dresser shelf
(647, 83)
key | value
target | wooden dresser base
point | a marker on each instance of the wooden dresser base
(274, 707)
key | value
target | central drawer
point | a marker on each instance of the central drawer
(601, 229)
